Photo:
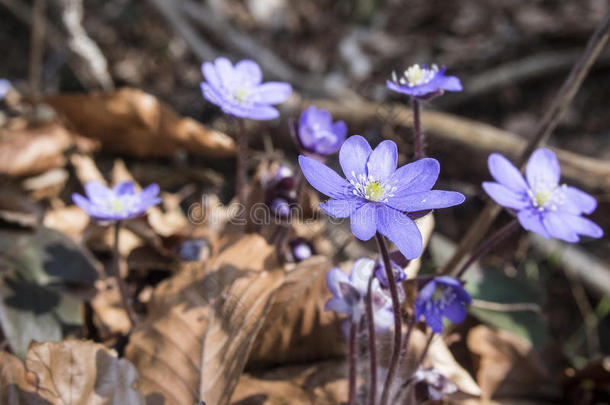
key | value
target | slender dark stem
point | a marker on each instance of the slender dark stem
(417, 130)
(546, 125)
(115, 268)
(420, 361)
(370, 319)
(403, 355)
(353, 363)
(242, 166)
(397, 319)
(492, 241)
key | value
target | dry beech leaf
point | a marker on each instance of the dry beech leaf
(33, 150)
(507, 365)
(75, 372)
(320, 384)
(203, 324)
(15, 386)
(442, 360)
(136, 123)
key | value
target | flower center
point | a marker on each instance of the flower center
(416, 76)
(545, 196)
(371, 189)
(241, 94)
(117, 205)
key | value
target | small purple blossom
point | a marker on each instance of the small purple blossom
(423, 82)
(349, 293)
(399, 273)
(5, 86)
(430, 385)
(301, 249)
(317, 134)
(376, 196)
(238, 90)
(542, 204)
(280, 192)
(442, 297)
(119, 203)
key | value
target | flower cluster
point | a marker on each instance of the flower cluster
(317, 134)
(377, 196)
(238, 90)
(423, 82)
(542, 204)
(116, 204)
(350, 291)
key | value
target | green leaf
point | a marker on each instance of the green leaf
(499, 291)
(37, 270)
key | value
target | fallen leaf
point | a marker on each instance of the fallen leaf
(34, 150)
(202, 324)
(132, 122)
(15, 387)
(76, 372)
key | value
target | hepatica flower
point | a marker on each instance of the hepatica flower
(442, 297)
(317, 134)
(119, 203)
(349, 293)
(543, 205)
(423, 82)
(375, 195)
(238, 90)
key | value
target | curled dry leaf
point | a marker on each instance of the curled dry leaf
(320, 384)
(203, 323)
(136, 123)
(15, 387)
(76, 372)
(33, 150)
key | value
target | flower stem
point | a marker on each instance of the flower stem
(492, 241)
(397, 318)
(417, 130)
(242, 167)
(353, 363)
(423, 354)
(370, 319)
(115, 268)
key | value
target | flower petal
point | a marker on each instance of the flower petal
(505, 196)
(577, 201)
(426, 200)
(124, 187)
(583, 226)
(401, 230)
(353, 156)
(434, 320)
(271, 93)
(543, 168)
(260, 113)
(424, 295)
(382, 161)
(362, 271)
(364, 222)
(531, 220)
(211, 76)
(324, 179)
(505, 173)
(337, 305)
(455, 311)
(96, 191)
(341, 208)
(333, 278)
(211, 94)
(417, 176)
(383, 319)
(450, 83)
(557, 227)
(225, 71)
(82, 202)
(249, 72)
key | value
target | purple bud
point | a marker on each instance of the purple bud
(301, 249)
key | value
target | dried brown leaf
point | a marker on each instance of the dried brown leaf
(136, 123)
(15, 386)
(203, 324)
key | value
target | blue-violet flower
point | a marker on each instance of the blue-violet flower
(430, 385)
(423, 82)
(119, 203)
(349, 293)
(442, 297)
(238, 90)
(376, 196)
(5, 86)
(317, 134)
(542, 204)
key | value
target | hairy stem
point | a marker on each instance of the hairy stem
(242, 167)
(115, 268)
(397, 319)
(353, 363)
(417, 130)
(370, 320)
(492, 241)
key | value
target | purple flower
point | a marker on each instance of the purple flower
(349, 292)
(423, 82)
(301, 249)
(442, 297)
(317, 134)
(542, 204)
(430, 385)
(118, 203)
(399, 273)
(5, 86)
(376, 196)
(238, 90)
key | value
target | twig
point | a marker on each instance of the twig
(506, 307)
(37, 46)
(543, 131)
